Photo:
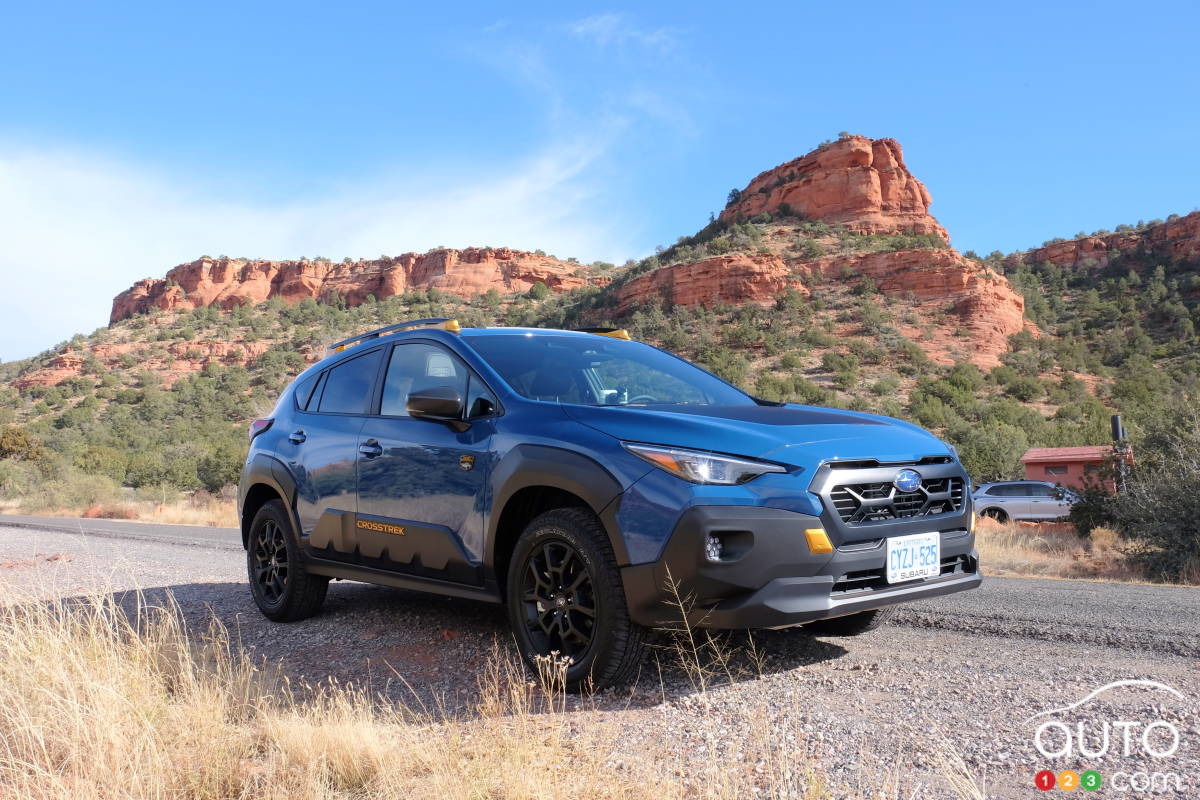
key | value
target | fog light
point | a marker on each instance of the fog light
(712, 548)
(818, 541)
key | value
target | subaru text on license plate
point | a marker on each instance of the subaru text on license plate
(913, 557)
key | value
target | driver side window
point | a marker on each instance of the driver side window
(415, 367)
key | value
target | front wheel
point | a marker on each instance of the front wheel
(997, 514)
(282, 589)
(565, 597)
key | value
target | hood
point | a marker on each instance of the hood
(792, 434)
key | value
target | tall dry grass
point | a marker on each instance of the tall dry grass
(1052, 550)
(96, 702)
(199, 508)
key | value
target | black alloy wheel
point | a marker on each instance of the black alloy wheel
(560, 600)
(282, 588)
(566, 599)
(270, 562)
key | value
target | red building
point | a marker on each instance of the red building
(1074, 467)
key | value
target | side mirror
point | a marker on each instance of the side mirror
(438, 404)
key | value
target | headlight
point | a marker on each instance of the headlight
(698, 466)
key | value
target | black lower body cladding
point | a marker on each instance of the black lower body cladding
(767, 577)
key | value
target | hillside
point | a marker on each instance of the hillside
(824, 280)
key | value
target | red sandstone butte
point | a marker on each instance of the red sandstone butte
(862, 183)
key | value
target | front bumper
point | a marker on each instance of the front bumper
(771, 580)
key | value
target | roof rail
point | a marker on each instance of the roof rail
(445, 323)
(615, 333)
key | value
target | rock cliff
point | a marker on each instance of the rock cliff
(1176, 239)
(226, 282)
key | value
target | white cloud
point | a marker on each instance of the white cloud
(613, 29)
(77, 228)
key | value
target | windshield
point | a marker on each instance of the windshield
(593, 370)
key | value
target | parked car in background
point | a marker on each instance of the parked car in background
(1033, 501)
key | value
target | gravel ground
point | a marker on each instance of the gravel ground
(880, 714)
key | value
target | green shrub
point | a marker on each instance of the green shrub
(70, 490)
(991, 451)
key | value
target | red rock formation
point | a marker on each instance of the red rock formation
(864, 185)
(739, 278)
(1177, 239)
(60, 368)
(183, 357)
(986, 305)
(860, 182)
(229, 282)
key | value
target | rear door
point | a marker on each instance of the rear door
(320, 450)
(422, 485)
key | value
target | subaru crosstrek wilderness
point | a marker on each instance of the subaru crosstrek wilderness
(587, 481)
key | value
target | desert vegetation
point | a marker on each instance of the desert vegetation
(102, 700)
(167, 416)
(1157, 512)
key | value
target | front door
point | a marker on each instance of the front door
(421, 484)
(1042, 502)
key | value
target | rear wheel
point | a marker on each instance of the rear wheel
(564, 596)
(282, 589)
(997, 514)
(853, 624)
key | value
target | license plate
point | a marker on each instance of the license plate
(913, 557)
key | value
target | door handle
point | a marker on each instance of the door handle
(297, 437)
(370, 449)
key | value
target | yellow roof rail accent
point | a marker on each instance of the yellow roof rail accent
(436, 322)
(614, 333)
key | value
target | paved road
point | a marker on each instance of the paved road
(961, 673)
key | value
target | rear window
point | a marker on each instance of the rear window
(304, 391)
(348, 385)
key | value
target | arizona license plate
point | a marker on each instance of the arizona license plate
(913, 557)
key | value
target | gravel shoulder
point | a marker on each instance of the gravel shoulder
(958, 675)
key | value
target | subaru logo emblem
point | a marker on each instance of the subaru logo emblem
(907, 480)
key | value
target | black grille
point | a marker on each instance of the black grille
(879, 502)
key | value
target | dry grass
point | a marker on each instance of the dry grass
(94, 706)
(1052, 550)
(200, 508)
(97, 703)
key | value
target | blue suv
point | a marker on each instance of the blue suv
(587, 482)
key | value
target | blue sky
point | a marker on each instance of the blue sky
(137, 136)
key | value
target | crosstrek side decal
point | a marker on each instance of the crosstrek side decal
(381, 527)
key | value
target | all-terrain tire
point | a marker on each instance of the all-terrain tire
(282, 589)
(615, 644)
(853, 624)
